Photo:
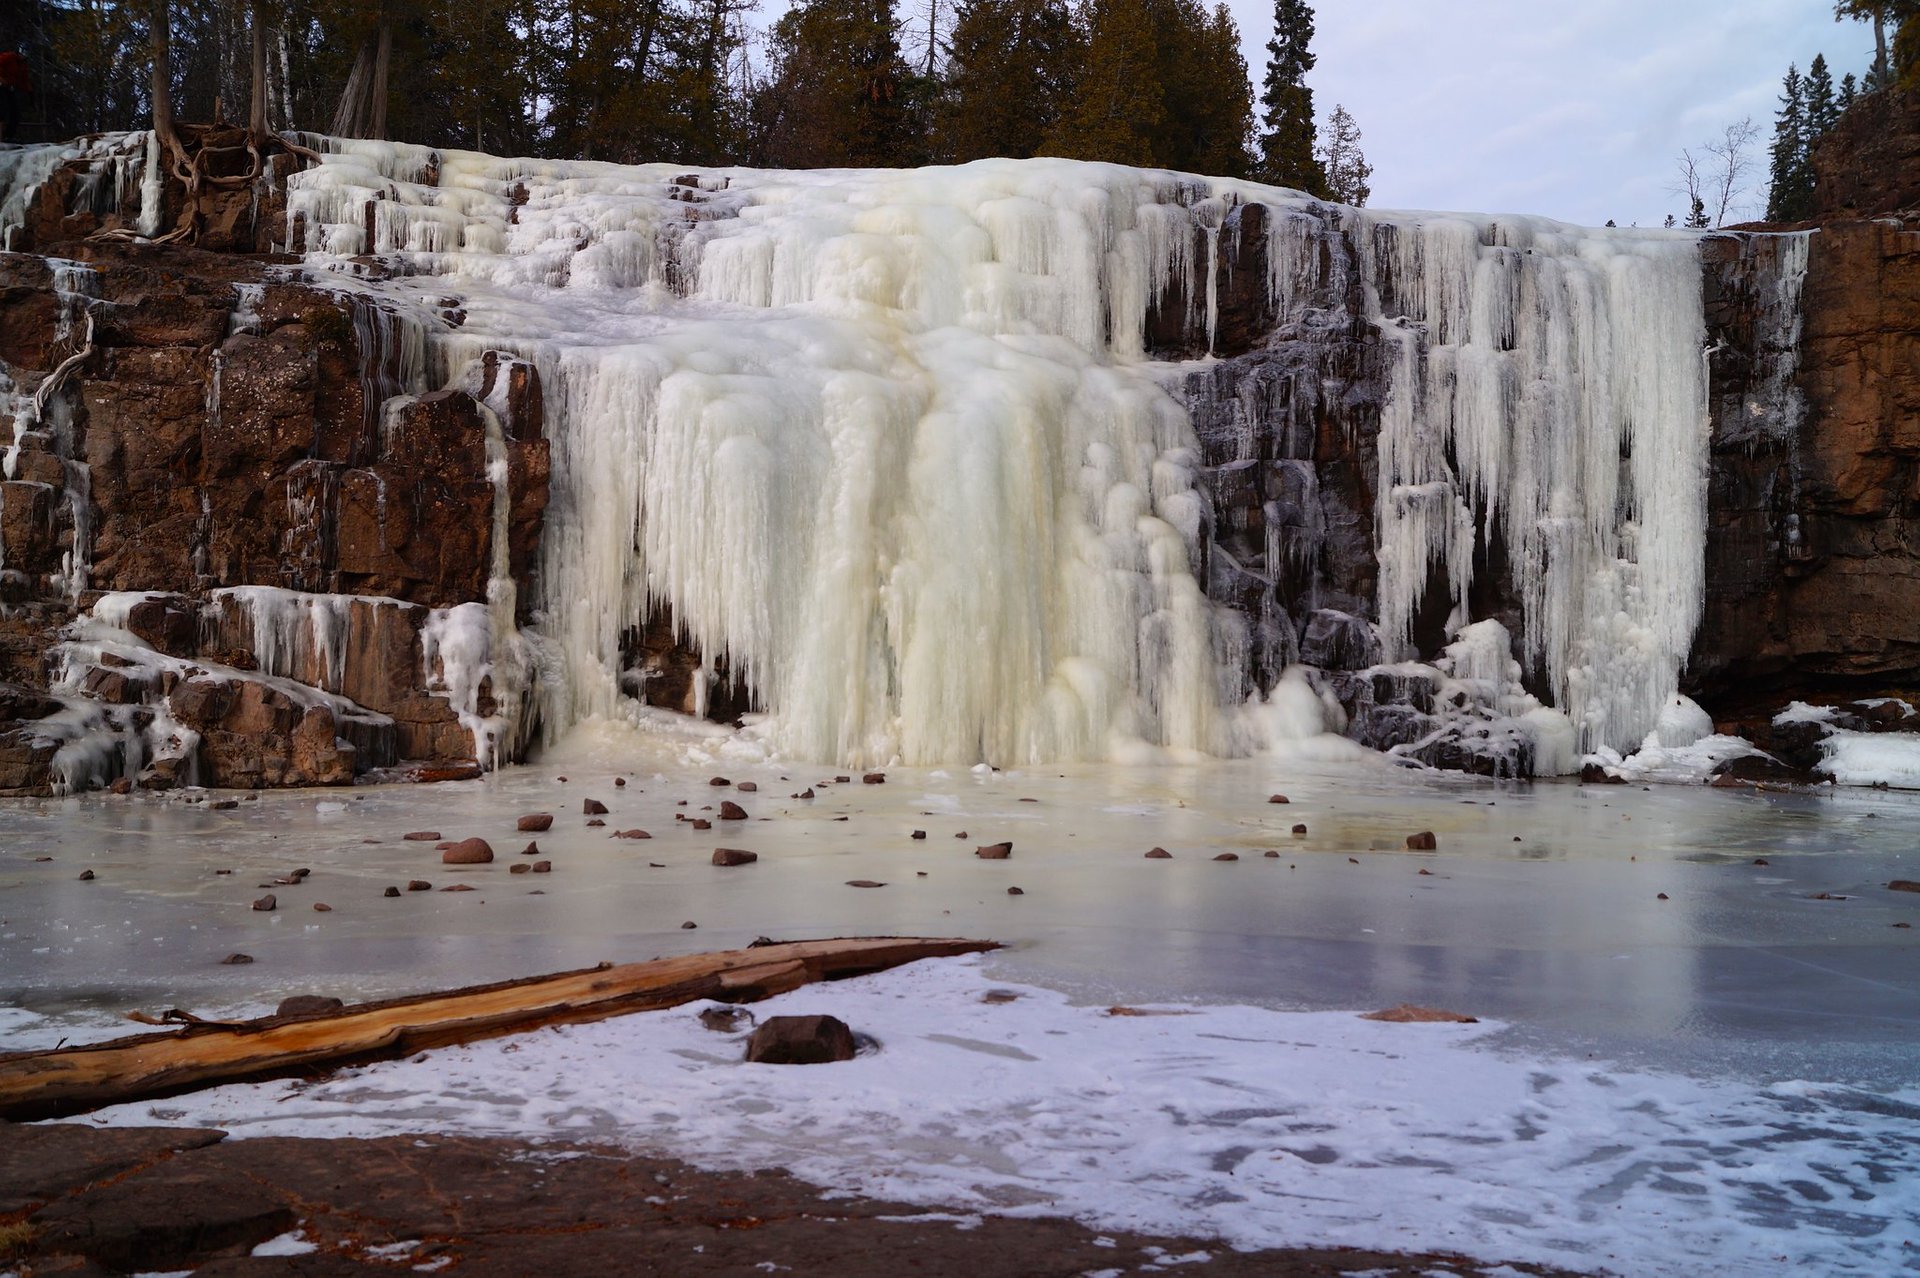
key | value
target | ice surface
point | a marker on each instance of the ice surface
(1719, 1060)
(1561, 931)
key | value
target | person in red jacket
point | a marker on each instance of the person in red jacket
(15, 85)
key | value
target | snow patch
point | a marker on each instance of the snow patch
(1256, 1127)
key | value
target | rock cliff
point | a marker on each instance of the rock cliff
(228, 527)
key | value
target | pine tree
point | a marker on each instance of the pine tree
(1877, 12)
(1849, 90)
(1010, 76)
(1286, 150)
(1345, 167)
(1162, 84)
(836, 96)
(1790, 188)
(1207, 101)
(1906, 45)
(1821, 110)
(1120, 103)
(1697, 219)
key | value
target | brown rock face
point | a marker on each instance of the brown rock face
(1813, 552)
(263, 737)
(665, 670)
(223, 430)
(1870, 162)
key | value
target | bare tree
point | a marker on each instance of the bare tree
(1732, 161)
(1713, 180)
(159, 23)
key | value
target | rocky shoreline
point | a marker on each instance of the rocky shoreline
(84, 1202)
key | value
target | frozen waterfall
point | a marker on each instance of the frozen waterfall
(890, 445)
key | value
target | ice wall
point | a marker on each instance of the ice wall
(1549, 391)
(889, 442)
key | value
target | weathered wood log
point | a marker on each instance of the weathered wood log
(72, 1080)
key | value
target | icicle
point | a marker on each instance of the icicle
(1531, 358)
(886, 445)
(152, 190)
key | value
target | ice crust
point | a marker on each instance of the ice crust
(1872, 758)
(890, 443)
(1256, 1127)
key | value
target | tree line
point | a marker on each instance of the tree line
(834, 82)
(1713, 178)
(1812, 104)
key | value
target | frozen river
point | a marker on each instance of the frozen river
(1542, 905)
(1690, 1061)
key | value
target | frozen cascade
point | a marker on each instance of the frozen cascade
(889, 442)
(1548, 388)
(474, 653)
(297, 635)
(76, 285)
(894, 455)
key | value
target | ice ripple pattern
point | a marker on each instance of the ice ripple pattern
(1253, 1126)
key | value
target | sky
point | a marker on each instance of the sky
(1573, 111)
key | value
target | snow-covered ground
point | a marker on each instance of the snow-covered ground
(1255, 1126)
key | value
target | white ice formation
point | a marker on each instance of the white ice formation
(890, 442)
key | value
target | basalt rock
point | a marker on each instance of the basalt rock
(1869, 162)
(226, 427)
(1813, 552)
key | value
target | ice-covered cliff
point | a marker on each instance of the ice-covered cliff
(1009, 462)
(893, 446)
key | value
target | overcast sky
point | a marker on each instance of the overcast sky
(1575, 111)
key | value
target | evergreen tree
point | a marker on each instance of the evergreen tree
(1162, 84)
(1877, 12)
(1697, 219)
(1790, 189)
(1285, 149)
(837, 96)
(1906, 45)
(1849, 90)
(1120, 104)
(1821, 110)
(1012, 66)
(1207, 101)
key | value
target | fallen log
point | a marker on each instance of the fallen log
(73, 1080)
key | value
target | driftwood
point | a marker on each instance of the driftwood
(72, 1080)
